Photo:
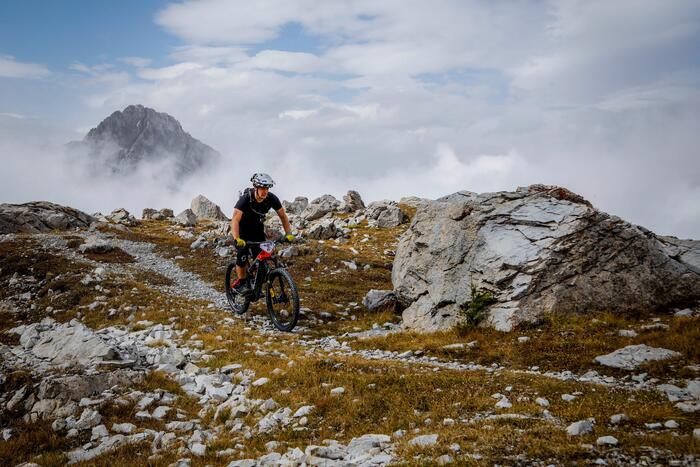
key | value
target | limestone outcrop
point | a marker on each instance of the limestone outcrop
(40, 216)
(538, 250)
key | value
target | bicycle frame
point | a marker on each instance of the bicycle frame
(259, 269)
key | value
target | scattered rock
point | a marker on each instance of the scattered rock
(581, 427)
(619, 418)
(632, 356)
(424, 441)
(606, 441)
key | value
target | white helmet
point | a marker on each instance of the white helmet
(262, 180)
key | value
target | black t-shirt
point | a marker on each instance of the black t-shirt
(252, 225)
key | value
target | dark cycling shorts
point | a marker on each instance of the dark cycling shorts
(246, 252)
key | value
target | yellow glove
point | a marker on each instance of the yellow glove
(240, 243)
(290, 237)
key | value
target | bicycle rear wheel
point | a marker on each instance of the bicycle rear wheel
(238, 303)
(282, 299)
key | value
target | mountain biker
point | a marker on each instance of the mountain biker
(248, 223)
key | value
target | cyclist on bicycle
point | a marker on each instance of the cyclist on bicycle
(248, 223)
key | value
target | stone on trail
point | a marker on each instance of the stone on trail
(538, 250)
(632, 356)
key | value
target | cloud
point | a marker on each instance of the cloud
(11, 68)
(138, 62)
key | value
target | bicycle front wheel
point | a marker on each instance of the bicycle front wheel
(238, 303)
(282, 299)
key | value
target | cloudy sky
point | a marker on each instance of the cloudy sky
(391, 98)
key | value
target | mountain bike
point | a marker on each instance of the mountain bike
(268, 275)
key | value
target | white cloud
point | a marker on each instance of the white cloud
(11, 68)
(168, 72)
(138, 62)
(285, 61)
(209, 55)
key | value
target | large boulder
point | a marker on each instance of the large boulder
(203, 208)
(537, 250)
(352, 202)
(40, 216)
(186, 218)
(320, 207)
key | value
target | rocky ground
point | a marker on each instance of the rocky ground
(117, 348)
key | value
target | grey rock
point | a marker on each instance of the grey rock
(379, 299)
(683, 313)
(303, 411)
(632, 356)
(198, 449)
(96, 245)
(323, 230)
(14, 402)
(107, 444)
(385, 214)
(606, 441)
(123, 217)
(539, 250)
(581, 427)
(200, 243)
(205, 209)
(297, 206)
(352, 202)
(619, 418)
(319, 207)
(424, 441)
(99, 431)
(77, 387)
(186, 218)
(70, 342)
(41, 216)
(88, 419)
(152, 214)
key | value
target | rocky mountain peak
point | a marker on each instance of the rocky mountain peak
(137, 134)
